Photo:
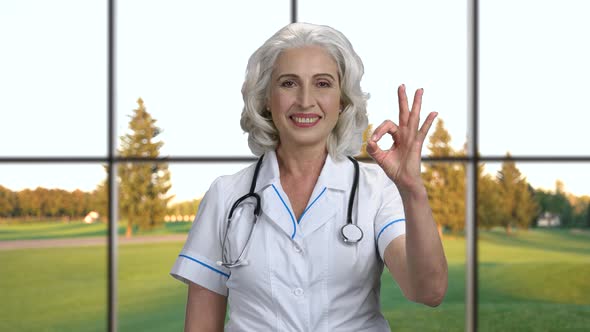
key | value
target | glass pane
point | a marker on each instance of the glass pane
(53, 78)
(149, 298)
(534, 248)
(445, 183)
(421, 44)
(534, 77)
(186, 61)
(53, 248)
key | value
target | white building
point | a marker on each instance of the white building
(548, 219)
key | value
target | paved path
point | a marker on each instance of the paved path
(87, 241)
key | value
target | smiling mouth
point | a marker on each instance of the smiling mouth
(305, 120)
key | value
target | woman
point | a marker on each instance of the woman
(304, 249)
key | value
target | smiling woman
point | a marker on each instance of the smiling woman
(269, 240)
(54, 77)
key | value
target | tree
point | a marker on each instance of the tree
(99, 200)
(8, 202)
(79, 203)
(143, 186)
(445, 182)
(518, 207)
(489, 200)
(557, 203)
(184, 208)
(31, 202)
(562, 205)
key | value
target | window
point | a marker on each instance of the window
(522, 92)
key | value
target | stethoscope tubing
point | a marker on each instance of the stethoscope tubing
(355, 234)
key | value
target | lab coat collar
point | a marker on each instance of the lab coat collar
(336, 174)
(269, 172)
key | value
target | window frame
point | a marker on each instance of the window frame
(472, 160)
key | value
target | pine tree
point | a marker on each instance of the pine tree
(518, 206)
(143, 186)
(445, 182)
(489, 200)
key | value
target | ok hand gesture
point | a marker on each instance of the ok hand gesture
(401, 162)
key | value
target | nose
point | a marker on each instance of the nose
(306, 98)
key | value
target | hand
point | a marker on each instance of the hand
(401, 162)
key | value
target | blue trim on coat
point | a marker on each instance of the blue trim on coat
(286, 207)
(310, 205)
(384, 227)
(205, 265)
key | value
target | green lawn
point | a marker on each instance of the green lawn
(538, 280)
(533, 281)
(60, 230)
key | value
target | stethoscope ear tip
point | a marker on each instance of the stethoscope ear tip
(219, 263)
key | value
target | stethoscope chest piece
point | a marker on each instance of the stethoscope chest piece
(351, 233)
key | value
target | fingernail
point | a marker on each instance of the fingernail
(374, 138)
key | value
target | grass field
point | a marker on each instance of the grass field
(76, 229)
(534, 281)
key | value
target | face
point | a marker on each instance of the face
(304, 96)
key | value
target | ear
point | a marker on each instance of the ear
(344, 103)
(267, 103)
(342, 106)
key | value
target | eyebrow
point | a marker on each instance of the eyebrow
(314, 76)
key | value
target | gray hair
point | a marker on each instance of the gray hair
(346, 138)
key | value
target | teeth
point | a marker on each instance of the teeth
(305, 120)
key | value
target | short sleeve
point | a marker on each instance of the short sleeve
(390, 220)
(198, 258)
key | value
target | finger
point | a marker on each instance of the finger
(386, 127)
(426, 126)
(404, 111)
(375, 151)
(373, 148)
(414, 120)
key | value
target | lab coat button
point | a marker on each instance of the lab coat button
(298, 292)
(297, 248)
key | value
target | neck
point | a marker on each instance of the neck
(302, 162)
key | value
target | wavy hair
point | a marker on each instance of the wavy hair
(346, 137)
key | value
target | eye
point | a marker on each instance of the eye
(324, 84)
(287, 84)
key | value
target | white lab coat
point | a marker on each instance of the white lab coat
(300, 275)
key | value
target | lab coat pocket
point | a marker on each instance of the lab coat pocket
(352, 262)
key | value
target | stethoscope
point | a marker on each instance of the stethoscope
(350, 232)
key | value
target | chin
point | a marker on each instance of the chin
(307, 141)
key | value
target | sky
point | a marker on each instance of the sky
(186, 60)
